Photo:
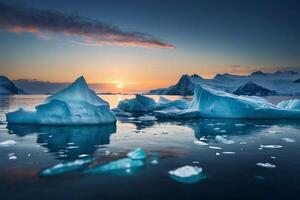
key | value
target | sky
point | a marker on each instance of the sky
(138, 45)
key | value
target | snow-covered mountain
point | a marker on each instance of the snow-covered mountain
(282, 83)
(8, 87)
(252, 89)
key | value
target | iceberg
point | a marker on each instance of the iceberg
(74, 105)
(216, 103)
(66, 167)
(140, 103)
(123, 166)
(137, 154)
(292, 104)
(120, 113)
(187, 174)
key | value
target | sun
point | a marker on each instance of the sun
(119, 85)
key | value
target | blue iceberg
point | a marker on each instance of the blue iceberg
(140, 103)
(74, 105)
(175, 113)
(137, 154)
(124, 166)
(219, 104)
(66, 167)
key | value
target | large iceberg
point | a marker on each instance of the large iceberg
(74, 105)
(219, 104)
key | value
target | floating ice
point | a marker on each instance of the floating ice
(120, 113)
(197, 142)
(147, 118)
(74, 105)
(292, 104)
(228, 152)
(7, 143)
(271, 146)
(213, 147)
(288, 140)
(66, 167)
(220, 104)
(154, 162)
(266, 165)
(118, 167)
(223, 140)
(187, 174)
(138, 153)
(139, 104)
(273, 157)
(217, 154)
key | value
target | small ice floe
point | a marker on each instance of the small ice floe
(187, 174)
(107, 152)
(202, 138)
(217, 154)
(198, 142)
(213, 147)
(239, 125)
(217, 128)
(29, 155)
(288, 140)
(266, 165)
(223, 131)
(154, 162)
(122, 166)
(83, 155)
(272, 131)
(66, 167)
(72, 147)
(243, 142)
(223, 140)
(12, 156)
(273, 157)
(271, 146)
(7, 143)
(228, 152)
(147, 118)
(138, 153)
(196, 162)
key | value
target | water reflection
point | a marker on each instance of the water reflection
(67, 142)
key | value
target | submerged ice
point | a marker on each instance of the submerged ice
(74, 105)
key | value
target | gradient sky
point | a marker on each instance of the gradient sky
(174, 38)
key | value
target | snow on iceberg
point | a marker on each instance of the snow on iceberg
(187, 174)
(219, 104)
(74, 105)
(292, 104)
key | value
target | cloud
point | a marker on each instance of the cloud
(19, 19)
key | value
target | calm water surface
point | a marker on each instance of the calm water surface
(229, 176)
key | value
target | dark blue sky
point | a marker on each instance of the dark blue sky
(210, 37)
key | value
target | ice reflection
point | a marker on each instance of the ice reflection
(67, 142)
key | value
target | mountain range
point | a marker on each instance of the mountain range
(257, 83)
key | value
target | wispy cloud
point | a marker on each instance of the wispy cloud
(19, 19)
